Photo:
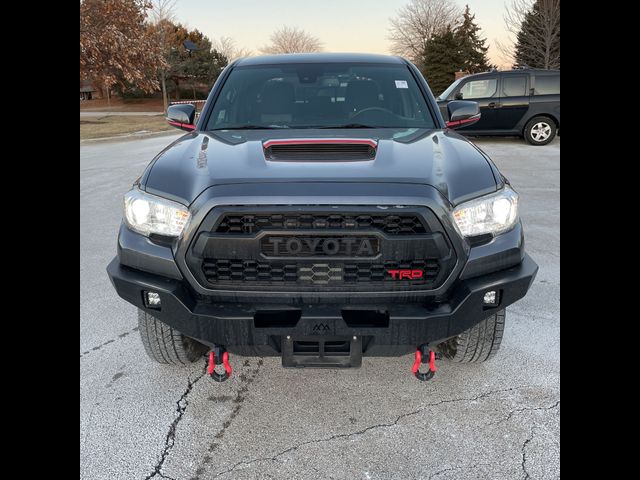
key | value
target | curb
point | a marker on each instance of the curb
(129, 136)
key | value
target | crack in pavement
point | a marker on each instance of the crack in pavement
(170, 439)
(524, 409)
(524, 453)
(365, 430)
(120, 337)
(459, 467)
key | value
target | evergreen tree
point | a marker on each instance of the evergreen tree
(471, 45)
(522, 57)
(442, 58)
(187, 68)
(538, 41)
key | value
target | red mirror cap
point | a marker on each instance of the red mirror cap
(182, 126)
(463, 122)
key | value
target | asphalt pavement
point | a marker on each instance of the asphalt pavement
(141, 420)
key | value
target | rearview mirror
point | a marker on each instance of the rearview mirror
(462, 113)
(182, 116)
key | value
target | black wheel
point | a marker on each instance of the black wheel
(540, 130)
(166, 345)
(478, 344)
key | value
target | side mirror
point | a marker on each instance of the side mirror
(182, 116)
(462, 113)
(458, 96)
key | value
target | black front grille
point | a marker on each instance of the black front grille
(390, 224)
(313, 248)
(330, 273)
(320, 152)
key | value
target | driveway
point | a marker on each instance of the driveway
(140, 420)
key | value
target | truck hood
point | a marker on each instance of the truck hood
(440, 158)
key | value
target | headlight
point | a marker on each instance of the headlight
(147, 214)
(495, 213)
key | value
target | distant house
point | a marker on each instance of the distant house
(88, 91)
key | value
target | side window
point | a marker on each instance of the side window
(547, 84)
(479, 88)
(513, 86)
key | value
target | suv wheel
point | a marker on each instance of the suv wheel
(166, 345)
(540, 130)
(478, 344)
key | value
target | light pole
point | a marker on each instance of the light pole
(191, 47)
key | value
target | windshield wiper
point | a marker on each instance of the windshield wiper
(350, 125)
(250, 126)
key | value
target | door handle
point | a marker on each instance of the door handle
(493, 105)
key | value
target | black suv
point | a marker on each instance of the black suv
(514, 102)
(321, 210)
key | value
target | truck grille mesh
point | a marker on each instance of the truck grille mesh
(390, 224)
(220, 271)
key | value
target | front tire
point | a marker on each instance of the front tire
(477, 344)
(540, 130)
(164, 344)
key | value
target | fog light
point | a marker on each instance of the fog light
(152, 299)
(490, 298)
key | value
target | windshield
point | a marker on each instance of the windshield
(444, 95)
(320, 96)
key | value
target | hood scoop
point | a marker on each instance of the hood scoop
(320, 149)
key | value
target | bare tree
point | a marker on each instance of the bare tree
(416, 22)
(227, 47)
(163, 10)
(534, 34)
(162, 15)
(292, 40)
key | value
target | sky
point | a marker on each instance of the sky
(342, 25)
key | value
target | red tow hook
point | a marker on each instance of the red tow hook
(428, 375)
(213, 362)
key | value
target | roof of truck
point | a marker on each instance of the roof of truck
(320, 58)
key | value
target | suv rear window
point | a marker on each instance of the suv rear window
(514, 86)
(320, 95)
(547, 84)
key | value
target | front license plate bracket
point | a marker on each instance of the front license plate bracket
(321, 352)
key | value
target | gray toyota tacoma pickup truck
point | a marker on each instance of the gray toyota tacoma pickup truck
(320, 209)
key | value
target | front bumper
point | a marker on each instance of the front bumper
(234, 324)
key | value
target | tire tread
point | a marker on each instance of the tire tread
(477, 344)
(164, 344)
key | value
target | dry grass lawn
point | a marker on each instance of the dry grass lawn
(119, 105)
(113, 125)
